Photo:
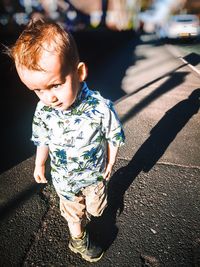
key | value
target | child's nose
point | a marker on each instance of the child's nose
(53, 99)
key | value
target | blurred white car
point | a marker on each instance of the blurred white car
(180, 26)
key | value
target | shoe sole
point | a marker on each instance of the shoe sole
(84, 256)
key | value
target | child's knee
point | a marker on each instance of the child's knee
(73, 212)
(97, 213)
(97, 208)
(96, 199)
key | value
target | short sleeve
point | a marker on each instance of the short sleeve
(40, 130)
(114, 132)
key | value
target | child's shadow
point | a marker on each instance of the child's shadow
(144, 159)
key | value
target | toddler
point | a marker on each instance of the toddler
(77, 127)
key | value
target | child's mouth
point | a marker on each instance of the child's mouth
(59, 105)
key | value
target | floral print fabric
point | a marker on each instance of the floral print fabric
(77, 140)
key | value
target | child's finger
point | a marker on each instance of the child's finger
(40, 179)
(107, 174)
(43, 180)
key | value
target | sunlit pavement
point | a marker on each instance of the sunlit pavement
(154, 204)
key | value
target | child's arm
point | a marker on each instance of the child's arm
(111, 158)
(41, 157)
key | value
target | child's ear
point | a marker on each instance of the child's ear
(82, 71)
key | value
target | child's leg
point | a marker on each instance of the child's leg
(80, 242)
(73, 212)
(76, 229)
(96, 198)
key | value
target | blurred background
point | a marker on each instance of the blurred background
(147, 15)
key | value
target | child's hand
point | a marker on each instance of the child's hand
(39, 174)
(108, 171)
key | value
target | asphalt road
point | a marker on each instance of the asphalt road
(154, 202)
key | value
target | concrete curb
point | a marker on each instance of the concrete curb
(178, 54)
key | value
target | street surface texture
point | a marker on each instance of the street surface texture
(153, 215)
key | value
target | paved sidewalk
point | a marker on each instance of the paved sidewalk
(154, 205)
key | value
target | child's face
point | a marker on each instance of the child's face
(56, 86)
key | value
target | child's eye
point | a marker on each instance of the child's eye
(56, 86)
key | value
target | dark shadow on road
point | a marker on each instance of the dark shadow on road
(175, 79)
(12, 204)
(144, 159)
(107, 54)
(17, 107)
(192, 58)
(150, 83)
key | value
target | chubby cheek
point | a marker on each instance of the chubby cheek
(70, 93)
(43, 99)
(69, 97)
(46, 102)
